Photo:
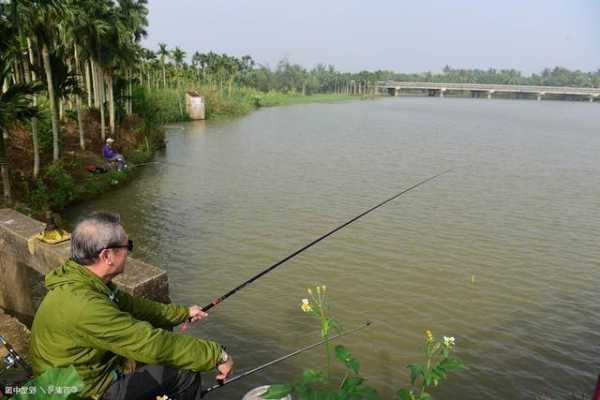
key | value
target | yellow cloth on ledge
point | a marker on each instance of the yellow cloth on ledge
(54, 236)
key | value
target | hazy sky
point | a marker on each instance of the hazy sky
(401, 35)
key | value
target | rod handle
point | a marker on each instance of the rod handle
(207, 307)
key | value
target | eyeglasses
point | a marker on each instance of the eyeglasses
(128, 246)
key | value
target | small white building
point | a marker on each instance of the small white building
(194, 105)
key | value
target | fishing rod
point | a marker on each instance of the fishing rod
(160, 162)
(294, 254)
(280, 359)
(13, 358)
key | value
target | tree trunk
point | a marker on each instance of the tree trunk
(36, 142)
(95, 80)
(29, 77)
(129, 108)
(100, 76)
(88, 83)
(52, 96)
(130, 98)
(85, 77)
(6, 184)
(164, 77)
(18, 73)
(111, 103)
(80, 124)
(4, 168)
(78, 99)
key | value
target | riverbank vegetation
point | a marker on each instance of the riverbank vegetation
(347, 382)
(66, 83)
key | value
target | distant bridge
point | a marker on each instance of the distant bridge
(393, 88)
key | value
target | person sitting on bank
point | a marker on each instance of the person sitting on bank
(85, 321)
(112, 156)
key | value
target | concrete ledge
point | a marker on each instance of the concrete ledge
(18, 251)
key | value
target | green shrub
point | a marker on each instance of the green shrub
(54, 190)
(44, 127)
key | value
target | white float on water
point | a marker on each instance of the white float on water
(255, 393)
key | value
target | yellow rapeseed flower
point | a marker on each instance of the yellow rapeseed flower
(428, 335)
(305, 306)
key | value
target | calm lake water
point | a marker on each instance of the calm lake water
(502, 253)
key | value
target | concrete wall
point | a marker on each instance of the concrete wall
(24, 262)
(195, 106)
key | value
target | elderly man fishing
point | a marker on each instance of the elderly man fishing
(112, 156)
(86, 322)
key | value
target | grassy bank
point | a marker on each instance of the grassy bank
(168, 105)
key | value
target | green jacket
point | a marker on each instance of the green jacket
(93, 326)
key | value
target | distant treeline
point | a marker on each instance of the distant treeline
(558, 76)
(167, 68)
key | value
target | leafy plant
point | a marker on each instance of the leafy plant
(54, 190)
(318, 384)
(438, 363)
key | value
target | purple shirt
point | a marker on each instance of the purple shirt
(107, 152)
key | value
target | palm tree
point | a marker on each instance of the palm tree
(163, 53)
(178, 56)
(76, 31)
(203, 63)
(132, 22)
(197, 62)
(15, 106)
(148, 59)
(101, 15)
(43, 17)
(24, 53)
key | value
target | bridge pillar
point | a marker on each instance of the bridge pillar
(539, 96)
(490, 93)
(592, 98)
(442, 92)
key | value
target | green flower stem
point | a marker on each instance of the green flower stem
(325, 333)
(429, 353)
(344, 380)
(426, 372)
